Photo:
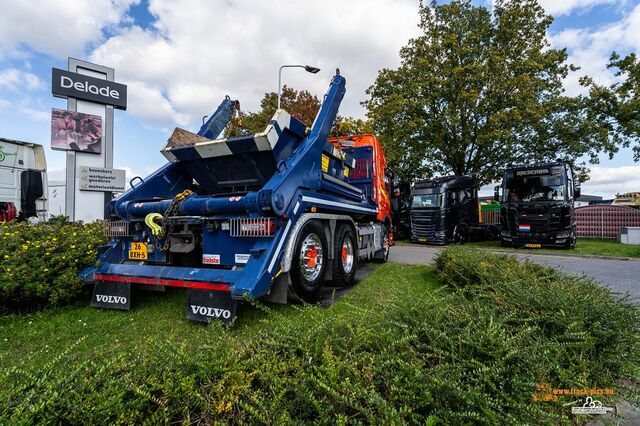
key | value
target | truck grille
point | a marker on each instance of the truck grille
(117, 228)
(424, 223)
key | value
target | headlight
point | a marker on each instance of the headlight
(505, 234)
(563, 234)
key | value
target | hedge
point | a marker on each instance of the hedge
(396, 350)
(39, 264)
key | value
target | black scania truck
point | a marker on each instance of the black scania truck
(537, 206)
(445, 210)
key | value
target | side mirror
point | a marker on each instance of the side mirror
(31, 190)
(496, 193)
(576, 191)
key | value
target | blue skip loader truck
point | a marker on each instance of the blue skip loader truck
(270, 216)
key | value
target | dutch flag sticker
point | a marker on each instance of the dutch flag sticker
(524, 228)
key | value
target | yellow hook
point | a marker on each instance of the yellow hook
(149, 221)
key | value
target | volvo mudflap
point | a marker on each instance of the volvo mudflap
(270, 216)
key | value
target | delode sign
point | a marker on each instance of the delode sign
(66, 84)
(100, 179)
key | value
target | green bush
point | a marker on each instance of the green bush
(39, 264)
(398, 349)
(591, 332)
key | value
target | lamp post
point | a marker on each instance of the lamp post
(307, 68)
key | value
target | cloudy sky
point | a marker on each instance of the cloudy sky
(180, 60)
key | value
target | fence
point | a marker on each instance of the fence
(605, 221)
(490, 217)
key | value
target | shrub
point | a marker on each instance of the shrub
(398, 349)
(39, 264)
(581, 323)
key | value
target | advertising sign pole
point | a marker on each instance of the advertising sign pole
(81, 205)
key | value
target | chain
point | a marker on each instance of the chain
(171, 211)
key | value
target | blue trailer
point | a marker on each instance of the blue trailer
(273, 216)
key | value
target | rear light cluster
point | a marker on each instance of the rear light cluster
(117, 228)
(8, 212)
(249, 227)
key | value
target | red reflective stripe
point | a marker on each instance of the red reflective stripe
(161, 281)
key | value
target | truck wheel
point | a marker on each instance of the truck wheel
(309, 265)
(382, 256)
(345, 262)
(460, 234)
(400, 233)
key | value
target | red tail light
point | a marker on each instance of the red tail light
(248, 227)
(8, 212)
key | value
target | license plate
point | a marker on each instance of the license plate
(138, 251)
(534, 245)
(422, 240)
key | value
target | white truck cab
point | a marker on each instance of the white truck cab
(23, 180)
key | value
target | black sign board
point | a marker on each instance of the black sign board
(111, 295)
(208, 305)
(66, 84)
(532, 172)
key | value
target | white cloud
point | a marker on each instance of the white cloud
(607, 181)
(34, 114)
(590, 48)
(566, 7)
(4, 104)
(201, 51)
(18, 80)
(62, 27)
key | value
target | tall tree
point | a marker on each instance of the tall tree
(303, 105)
(478, 91)
(616, 108)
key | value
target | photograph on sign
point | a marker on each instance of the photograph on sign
(76, 131)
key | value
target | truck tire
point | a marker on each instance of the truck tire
(310, 260)
(345, 262)
(460, 234)
(382, 255)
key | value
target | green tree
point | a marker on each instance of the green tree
(347, 126)
(616, 108)
(302, 105)
(478, 91)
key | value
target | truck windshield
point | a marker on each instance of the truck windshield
(427, 200)
(531, 189)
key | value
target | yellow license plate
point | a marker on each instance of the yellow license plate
(422, 240)
(534, 245)
(138, 251)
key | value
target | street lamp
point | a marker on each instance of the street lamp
(307, 68)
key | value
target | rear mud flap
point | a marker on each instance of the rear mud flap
(207, 305)
(111, 295)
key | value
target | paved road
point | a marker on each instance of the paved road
(620, 275)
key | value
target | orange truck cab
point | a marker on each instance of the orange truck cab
(370, 171)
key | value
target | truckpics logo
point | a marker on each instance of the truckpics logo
(211, 312)
(4, 155)
(118, 300)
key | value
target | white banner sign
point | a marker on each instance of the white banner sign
(99, 179)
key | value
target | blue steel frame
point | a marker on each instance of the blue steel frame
(296, 187)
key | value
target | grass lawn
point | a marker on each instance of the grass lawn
(32, 340)
(585, 246)
(402, 347)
